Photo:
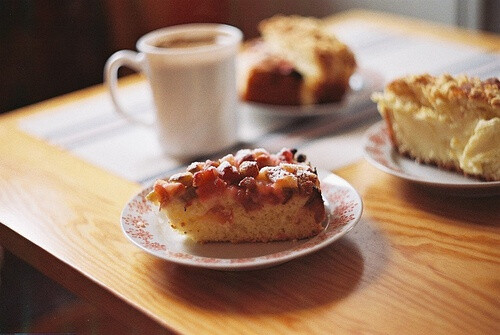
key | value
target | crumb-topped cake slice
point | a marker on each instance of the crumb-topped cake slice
(252, 196)
(452, 122)
(296, 61)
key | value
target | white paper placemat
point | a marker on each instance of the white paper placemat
(92, 130)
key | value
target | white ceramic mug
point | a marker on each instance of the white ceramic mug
(192, 73)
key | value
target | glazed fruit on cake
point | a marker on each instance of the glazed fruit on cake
(252, 196)
(452, 122)
(296, 61)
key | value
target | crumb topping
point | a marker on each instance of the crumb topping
(460, 90)
(325, 47)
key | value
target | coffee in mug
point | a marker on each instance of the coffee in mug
(188, 42)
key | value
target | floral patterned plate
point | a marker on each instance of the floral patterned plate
(149, 230)
(380, 153)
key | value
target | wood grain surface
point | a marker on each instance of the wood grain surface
(418, 262)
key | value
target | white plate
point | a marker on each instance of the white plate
(362, 83)
(151, 232)
(380, 153)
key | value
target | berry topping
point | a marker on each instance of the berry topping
(252, 176)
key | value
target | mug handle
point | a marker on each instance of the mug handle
(130, 59)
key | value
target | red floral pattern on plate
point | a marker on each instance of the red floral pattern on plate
(142, 224)
(141, 205)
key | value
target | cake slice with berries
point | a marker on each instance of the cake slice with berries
(252, 196)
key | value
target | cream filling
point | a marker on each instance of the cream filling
(430, 135)
(482, 152)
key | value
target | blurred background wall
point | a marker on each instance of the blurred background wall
(52, 47)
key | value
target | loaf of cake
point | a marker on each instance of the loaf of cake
(294, 62)
(451, 122)
(252, 196)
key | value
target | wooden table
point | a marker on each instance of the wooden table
(418, 262)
